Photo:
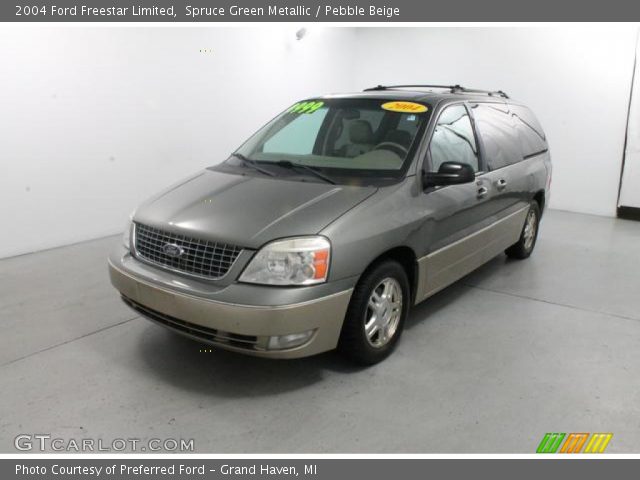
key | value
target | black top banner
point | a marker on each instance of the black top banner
(317, 11)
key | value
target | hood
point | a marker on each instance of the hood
(248, 211)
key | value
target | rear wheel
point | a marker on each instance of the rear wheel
(376, 314)
(524, 246)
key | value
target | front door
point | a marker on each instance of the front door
(455, 214)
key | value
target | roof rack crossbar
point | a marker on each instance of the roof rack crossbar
(391, 87)
(451, 88)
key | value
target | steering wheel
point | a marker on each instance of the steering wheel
(396, 148)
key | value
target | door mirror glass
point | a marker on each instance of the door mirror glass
(449, 173)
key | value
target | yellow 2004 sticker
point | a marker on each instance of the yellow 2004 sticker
(404, 107)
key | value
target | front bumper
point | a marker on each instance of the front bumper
(239, 327)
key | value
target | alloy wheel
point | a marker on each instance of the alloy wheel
(530, 227)
(383, 314)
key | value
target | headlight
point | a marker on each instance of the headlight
(295, 261)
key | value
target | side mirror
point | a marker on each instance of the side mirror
(449, 173)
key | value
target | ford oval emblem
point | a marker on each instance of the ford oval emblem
(172, 250)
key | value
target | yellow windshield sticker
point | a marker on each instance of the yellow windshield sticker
(404, 107)
(306, 107)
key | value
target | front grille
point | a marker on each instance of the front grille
(197, 257)
(206, 334)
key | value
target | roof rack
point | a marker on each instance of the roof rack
(451, 88)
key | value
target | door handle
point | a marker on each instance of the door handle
(501, 184)
(482, 192)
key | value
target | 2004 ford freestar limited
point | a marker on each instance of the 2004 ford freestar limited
(329, 223)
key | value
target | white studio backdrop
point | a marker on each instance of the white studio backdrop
(94, 120)
(630, 184)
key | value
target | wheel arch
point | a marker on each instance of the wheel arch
(407, 258)
(539, 197)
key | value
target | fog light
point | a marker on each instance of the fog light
(280, 342)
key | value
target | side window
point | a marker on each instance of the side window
(530, 134)
(498, 134)
(304, 129)
(453, 139)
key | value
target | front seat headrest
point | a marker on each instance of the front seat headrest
(360, 132)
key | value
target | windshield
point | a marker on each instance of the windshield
(340, 137)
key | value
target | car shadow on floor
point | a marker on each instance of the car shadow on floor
(191, 365)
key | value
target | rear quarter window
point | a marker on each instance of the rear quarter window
(530, 133)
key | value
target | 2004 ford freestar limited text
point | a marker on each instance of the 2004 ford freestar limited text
(329, 223)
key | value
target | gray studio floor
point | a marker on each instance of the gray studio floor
(517, 349)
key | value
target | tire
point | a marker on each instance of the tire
(388, 281)
(524, 246)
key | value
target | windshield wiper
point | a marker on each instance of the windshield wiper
(252, 164)
(313, 171)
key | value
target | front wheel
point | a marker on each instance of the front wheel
(524, 246)
(376, 314)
